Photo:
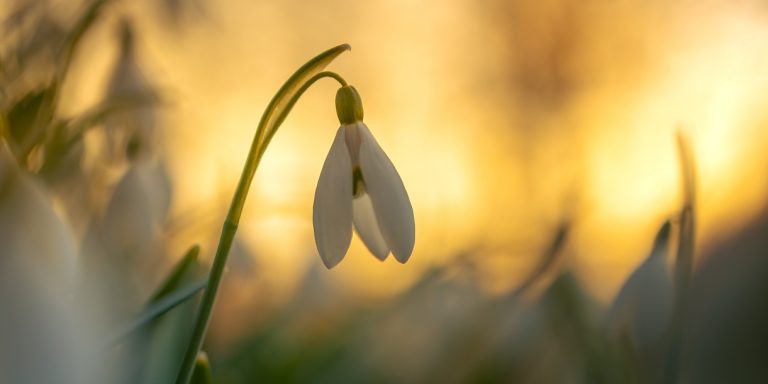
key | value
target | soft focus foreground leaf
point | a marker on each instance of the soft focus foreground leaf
(23, 115)
(173, 280)
(87, 19)
(32, 114)
(162, 305)
(168, 336)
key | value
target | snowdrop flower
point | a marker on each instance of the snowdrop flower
(31, 232)
(41, 335)
(643, 306)
(359, 186)
(133, 128)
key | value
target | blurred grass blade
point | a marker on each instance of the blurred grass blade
(83, 24)
(45, 112)
(97, 114)
(168, 295)
(683, 260)
(202, 372)
(66, 135)
(23, 113)
(174, 279)
(166, 336)
(159, 307)
(546, 262)
(685, 246)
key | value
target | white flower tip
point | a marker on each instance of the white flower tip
(403, 251)
(394, 213)
(330, 262)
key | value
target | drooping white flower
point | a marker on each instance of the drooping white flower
(132, 127)
(643, 307)
(360, 186)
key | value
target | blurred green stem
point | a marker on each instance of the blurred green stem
(276, 112)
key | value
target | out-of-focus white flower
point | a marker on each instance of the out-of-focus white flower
(641, 311)
(138, 206)
(359, 185)
(43, 337)
(30, 229)
(131, 129)
(124, 247)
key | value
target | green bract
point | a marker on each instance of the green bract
(349, 106)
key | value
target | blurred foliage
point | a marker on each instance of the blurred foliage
(703, 320)
(118, 205)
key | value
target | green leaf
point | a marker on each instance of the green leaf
(202, 372)
(167, 336)
(170, 294)
(685, 246)
(158, 308)
(23, 114)
(547, 262)
(174, 279)
(87, 18)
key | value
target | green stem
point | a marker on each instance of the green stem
(273, 116)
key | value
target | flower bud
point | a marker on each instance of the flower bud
(349, 106)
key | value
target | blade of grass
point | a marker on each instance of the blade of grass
(168, 295)
(158, 308)
(48, 107)
(683, 260)
(174, 279)
(546, 262)
(685, 247)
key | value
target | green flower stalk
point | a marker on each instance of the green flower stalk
(396, 233)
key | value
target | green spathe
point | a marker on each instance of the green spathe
(349, 106)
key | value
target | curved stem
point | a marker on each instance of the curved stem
(299, 92)
(273, 116)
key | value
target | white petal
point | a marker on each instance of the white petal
(390, 200)
(367, 228)
(332, 210)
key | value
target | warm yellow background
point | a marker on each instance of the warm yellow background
(503, 119)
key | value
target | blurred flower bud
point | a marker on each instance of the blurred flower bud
(641, 312)
(130, 131)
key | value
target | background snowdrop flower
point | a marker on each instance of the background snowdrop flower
(359, 185)
(30, 230)
(42, 337)
(128, 85)
(643, 307)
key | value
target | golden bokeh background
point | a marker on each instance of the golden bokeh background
(504, 119)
